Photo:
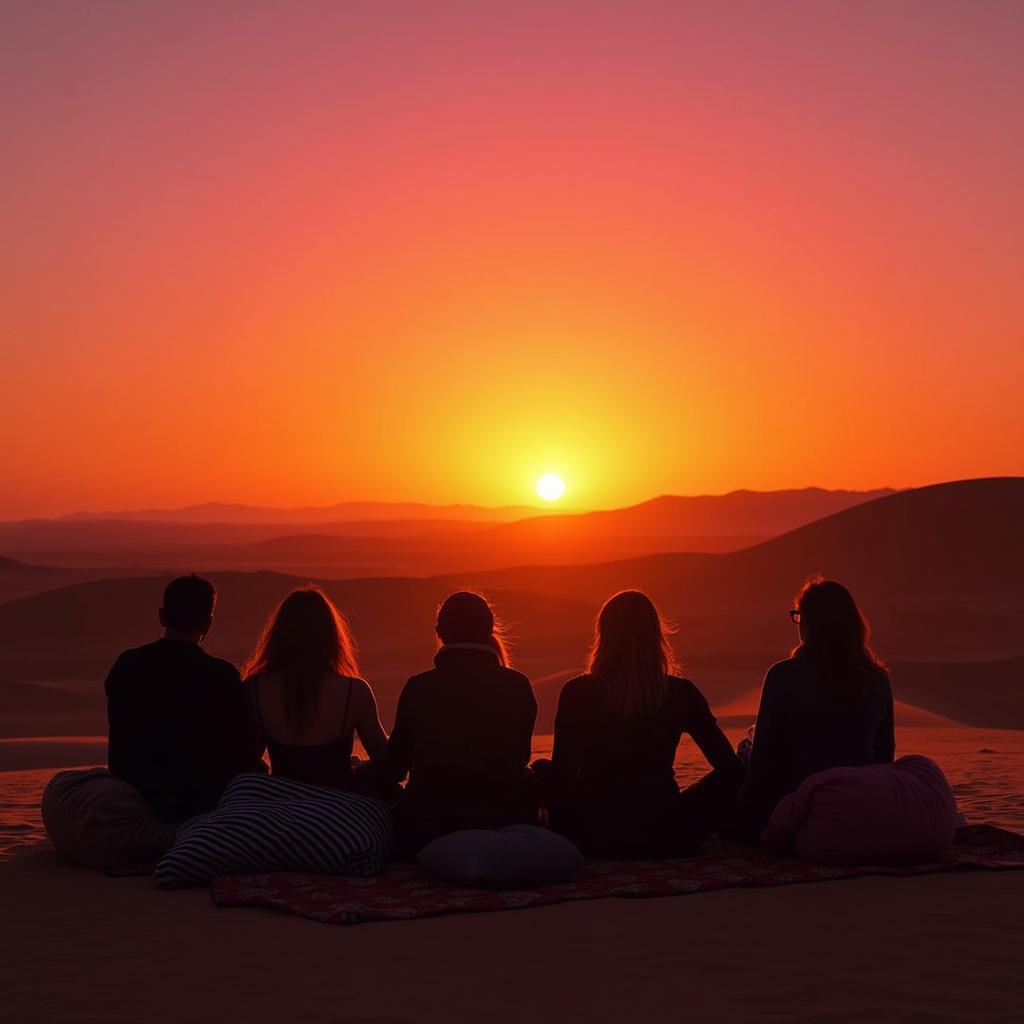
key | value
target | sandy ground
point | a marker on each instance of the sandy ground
(83, 947)
(79, 946)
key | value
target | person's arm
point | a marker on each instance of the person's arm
(712, 742)
(767, 756)
(117, 726)
(257, 735)
(367, 722)
(243, 737)
(570, 718)
(524, 721)
(398, 754)
(885, 738)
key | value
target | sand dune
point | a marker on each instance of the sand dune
(742, 710)
(976, 692)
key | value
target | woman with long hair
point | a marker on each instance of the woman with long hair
(463, 733)
(612, 785)
(826, 706)
(309, 699)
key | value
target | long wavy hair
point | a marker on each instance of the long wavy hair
(835, 636)
(304, 640)
(631, 656)
(466, 617)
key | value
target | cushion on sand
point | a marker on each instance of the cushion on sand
(265, 823)
(95, 819)
(519, 856)
(899, 813)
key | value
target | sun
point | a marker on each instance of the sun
(550, 487)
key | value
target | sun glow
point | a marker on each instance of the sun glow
(550, 487)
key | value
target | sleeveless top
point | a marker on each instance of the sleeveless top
(321, 764)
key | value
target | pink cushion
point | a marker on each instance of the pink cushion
(898, 813)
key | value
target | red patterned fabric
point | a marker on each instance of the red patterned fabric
(404, 891)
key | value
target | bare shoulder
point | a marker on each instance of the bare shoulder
(362, 692)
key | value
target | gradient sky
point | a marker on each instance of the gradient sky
(299, 253)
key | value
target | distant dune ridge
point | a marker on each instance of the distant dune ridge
(379, 539)
(938, 570)
(348, 511)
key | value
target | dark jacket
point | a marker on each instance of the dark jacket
(805, 724)
(180, 727)
(462, 734)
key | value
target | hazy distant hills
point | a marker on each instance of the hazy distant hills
(349, 511)
(940, 567)
(938, 570)
(17, 579)
(416, 546)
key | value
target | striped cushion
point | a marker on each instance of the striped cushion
(265, 824)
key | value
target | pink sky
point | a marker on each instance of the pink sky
(299, 253)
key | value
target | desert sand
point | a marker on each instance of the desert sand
(83, 946)
(946, 947)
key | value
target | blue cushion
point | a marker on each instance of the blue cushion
(516, 857)
(265, 824)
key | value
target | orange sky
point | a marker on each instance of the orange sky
(304, 253)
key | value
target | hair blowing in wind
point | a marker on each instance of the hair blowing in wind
(631, 654)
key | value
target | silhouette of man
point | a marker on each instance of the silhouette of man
(180, 727)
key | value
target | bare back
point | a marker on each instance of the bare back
(343, 705)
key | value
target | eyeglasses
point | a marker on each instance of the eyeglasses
(794, 614)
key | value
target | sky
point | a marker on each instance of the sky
(301, 253)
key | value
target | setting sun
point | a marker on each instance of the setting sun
(550, 487)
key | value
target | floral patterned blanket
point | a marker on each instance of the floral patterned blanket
(404, 891)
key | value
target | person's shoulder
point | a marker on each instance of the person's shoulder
(140, 653)
(420, 681)
(579, 687)
(220, 668)
(361, 689)
(515, 677)
(685, 691)
(136, 660)
(884, 680)
(786, 671)
(680, 684)
(517, 685)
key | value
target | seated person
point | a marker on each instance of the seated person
(180, 725)
(827, 706)
(611, 785)
(307, 694)
(463, 733)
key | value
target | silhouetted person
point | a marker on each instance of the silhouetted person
(463, 733)
(180, 727)
(611, 786)
(828, 705)
(307, 693)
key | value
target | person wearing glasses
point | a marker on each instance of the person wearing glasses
(828, 705)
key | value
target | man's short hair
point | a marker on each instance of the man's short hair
(189, 603)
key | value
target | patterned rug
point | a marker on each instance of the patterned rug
(404, 891)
